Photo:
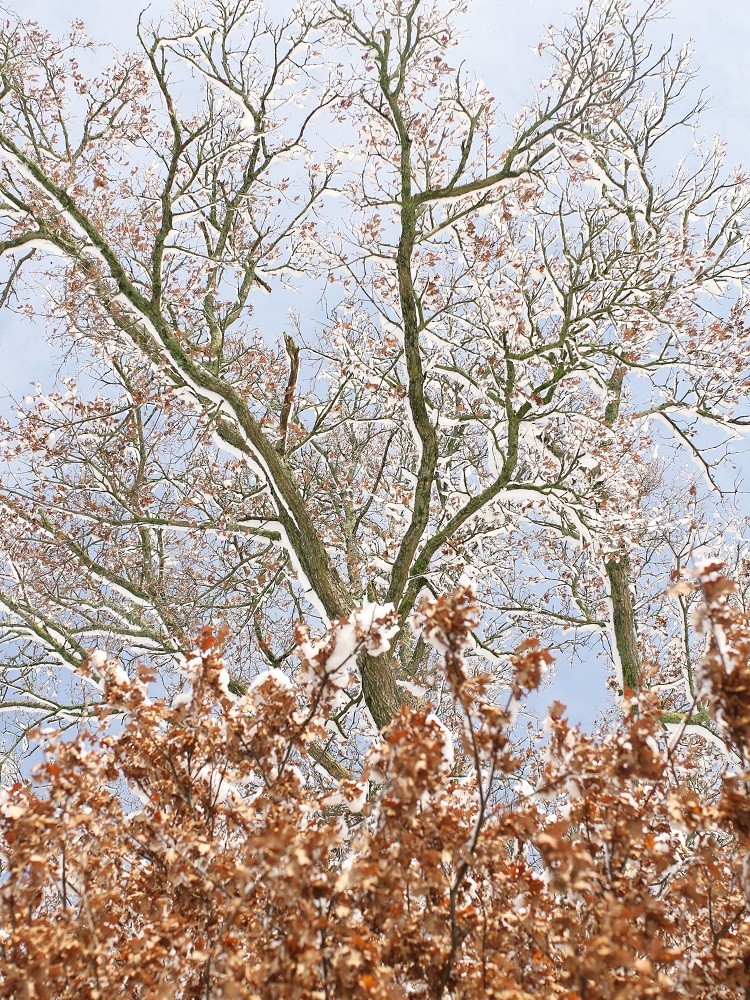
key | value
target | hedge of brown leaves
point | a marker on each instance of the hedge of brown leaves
(182, 851)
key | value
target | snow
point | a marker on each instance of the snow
(725, 650)
(332, 657)
(448, 756)
(119, 677)
(416, 690)
(301, 576)
(278, 679)
(352, 796)
(97, 659)
(680, 729)
(217, 782)
(204, 31)
(184, 699)
(614, 651)
(46, 246)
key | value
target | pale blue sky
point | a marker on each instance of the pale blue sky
(500, 35)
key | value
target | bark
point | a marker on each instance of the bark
(286, 409)
(328, 762)
(623, 619)
(381, 693)
(618, 572)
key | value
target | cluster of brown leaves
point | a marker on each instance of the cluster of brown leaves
(725, 669)
(183, 850)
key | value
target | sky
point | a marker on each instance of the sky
(499, 40)
(500, 35)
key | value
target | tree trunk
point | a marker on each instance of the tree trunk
(381, 693)
(623, 619)
(618, 572)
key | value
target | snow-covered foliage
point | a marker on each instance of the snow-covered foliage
(222, 871)
(376, 396)
(514, 353)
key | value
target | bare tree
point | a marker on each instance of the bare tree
(490, 317)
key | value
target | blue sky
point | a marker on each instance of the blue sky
(499, 40)
(500, 36)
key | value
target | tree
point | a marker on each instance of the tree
(379, 512)
(503, 312)
(186, 856)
